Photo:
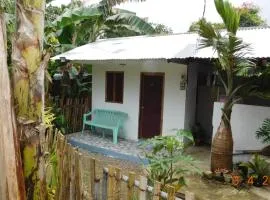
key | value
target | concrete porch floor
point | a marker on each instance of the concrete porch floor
(124, 149)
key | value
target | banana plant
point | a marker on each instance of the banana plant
(83, 25)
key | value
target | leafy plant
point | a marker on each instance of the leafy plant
(264, 132)
(257, 168)
(167, 161)
(49, 117)
(60, 121)
(81, 25)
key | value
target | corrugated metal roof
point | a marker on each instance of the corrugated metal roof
(163, 47)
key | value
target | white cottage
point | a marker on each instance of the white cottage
(163, 83)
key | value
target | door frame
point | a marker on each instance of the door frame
(161, 74)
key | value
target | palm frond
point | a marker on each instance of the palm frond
(131, 22)
(209, 35)
(117, 2)
(264, 132)
(229, 15)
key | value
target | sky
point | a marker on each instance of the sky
(179, 14)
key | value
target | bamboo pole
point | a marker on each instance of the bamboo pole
(91, 180)
(156, 191)
(78, 178)
(143, 187)
(131, 183)
(98, 174)
(104, 185)
(72, 173)
(117, 190)
(110, 183)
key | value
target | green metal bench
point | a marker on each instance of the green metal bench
(107, 119)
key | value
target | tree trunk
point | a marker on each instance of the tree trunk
(222, 144)
(11, 173)
(28, 82)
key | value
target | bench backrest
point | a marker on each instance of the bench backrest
(108, 117)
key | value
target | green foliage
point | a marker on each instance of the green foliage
(194, 27)
(258, 167)
(168, 162)
(231, 52)
(264, 132)
(60, 122)
(249, 16)
(81, 25)
(162, 29)
(49, 117)
(74, 83)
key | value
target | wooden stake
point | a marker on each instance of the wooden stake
(143, 187)
(110, 184)
(131, 183)
(117, 185)
(98, 175)
(156, 191)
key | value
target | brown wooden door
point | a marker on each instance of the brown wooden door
(151, 105)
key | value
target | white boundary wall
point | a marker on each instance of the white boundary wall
(246, 119)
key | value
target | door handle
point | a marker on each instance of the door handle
(142, 107)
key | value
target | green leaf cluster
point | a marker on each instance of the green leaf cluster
(168, 162)
(231, 55)
(258, 167)
(263, 133)
(249, 17)
(81, 25)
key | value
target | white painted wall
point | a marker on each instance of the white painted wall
(174, 98)
(246, 119)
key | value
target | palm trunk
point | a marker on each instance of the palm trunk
(28, 81)
(12, 182)
(222, 144)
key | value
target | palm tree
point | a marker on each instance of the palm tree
(230, 62)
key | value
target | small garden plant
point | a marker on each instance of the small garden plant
(167, 161)
(258, 169)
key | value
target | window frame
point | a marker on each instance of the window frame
(114, 88)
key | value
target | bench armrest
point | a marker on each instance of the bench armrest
(86, 115)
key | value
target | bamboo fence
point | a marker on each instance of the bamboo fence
(73, 110)
(81, 177)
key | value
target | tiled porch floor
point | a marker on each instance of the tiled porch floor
(125, 149)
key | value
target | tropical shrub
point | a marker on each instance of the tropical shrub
(258, 168)
(264, 132)
(167, 161)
